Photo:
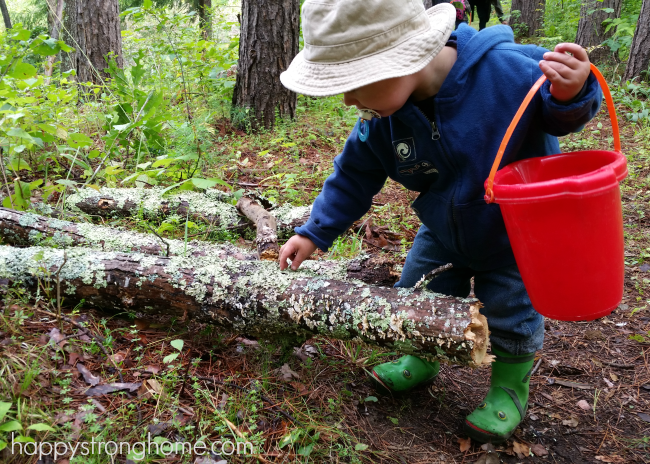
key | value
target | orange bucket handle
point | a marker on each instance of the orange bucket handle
(489, 194)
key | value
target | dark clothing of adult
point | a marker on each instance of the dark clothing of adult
(484, 8)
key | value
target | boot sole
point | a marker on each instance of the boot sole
(382, 387)
(484, 436)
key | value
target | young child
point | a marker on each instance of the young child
(442, 103)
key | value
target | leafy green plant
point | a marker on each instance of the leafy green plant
(10, 425)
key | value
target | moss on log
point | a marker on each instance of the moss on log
(254, 297)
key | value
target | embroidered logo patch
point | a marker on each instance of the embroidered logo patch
(424, 165)
(405, 150)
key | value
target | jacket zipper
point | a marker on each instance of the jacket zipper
(435, 135)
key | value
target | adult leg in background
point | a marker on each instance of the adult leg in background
(483, 9)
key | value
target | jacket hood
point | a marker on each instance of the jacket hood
(472, 46)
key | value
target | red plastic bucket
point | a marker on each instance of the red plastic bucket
(565, 223)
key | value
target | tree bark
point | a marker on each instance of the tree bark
(54, 18)
(267, 229)
(23, 229)
(5, 14)
(205, 18)
(70, 35)
(591, 30)
(93, 28)
(529, 22)
(639, 60)
(270, 32)
(254, 297)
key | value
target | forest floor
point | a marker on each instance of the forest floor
(590, 397)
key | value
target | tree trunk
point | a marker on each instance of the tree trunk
(529, 21)
(254, 297)
(640, 50)
(591, 30)
(54, 18)
(22, 229)
(205, 18)
(69, 36)
(5, 14)
(268, 41)
(94, 31)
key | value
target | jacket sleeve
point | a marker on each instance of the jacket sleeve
(562, 118)
(347, 193)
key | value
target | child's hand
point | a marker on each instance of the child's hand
(297, 249)
(566, 73)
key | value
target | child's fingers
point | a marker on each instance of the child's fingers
(286, 252)
(562, 58)
(576, 50)
(549, 71)
(301, 255)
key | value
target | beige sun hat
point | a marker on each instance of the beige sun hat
(352, 43)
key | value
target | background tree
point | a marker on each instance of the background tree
(203, 7)
(529, 21)
(5, 14)
(54, 21)
(640, 50)
(93, 29)
(270, 31)
(591, 30)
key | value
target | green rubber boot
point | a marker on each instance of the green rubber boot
(404, 373)
(505, 405)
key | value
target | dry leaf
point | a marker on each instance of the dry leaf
(611, 459)
(465, 444)
(582, 404)
(112, 387)
(56, 336)
(613, 376)
(152, 369)
(287, 373)
(87, 375)
(489, 458)
(74, 358)
(522, 449)
(300, 387)
(609, 384)
(539, 450)
(596, 362)
(118, 357)
(573, 422)
(142, 324)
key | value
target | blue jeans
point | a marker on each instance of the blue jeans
(515, 326)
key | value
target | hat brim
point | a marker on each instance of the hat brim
(408, 57)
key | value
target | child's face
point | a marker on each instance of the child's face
(385, 97)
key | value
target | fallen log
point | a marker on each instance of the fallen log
(267, 230)
(22, 229)
(213, 206)
(254, 297)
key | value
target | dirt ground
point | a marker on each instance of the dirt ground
(590, 394)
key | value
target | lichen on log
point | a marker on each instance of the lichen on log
(254, 297)
(212, 206)
(20, 228)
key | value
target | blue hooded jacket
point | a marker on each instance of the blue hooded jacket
(448, 159)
